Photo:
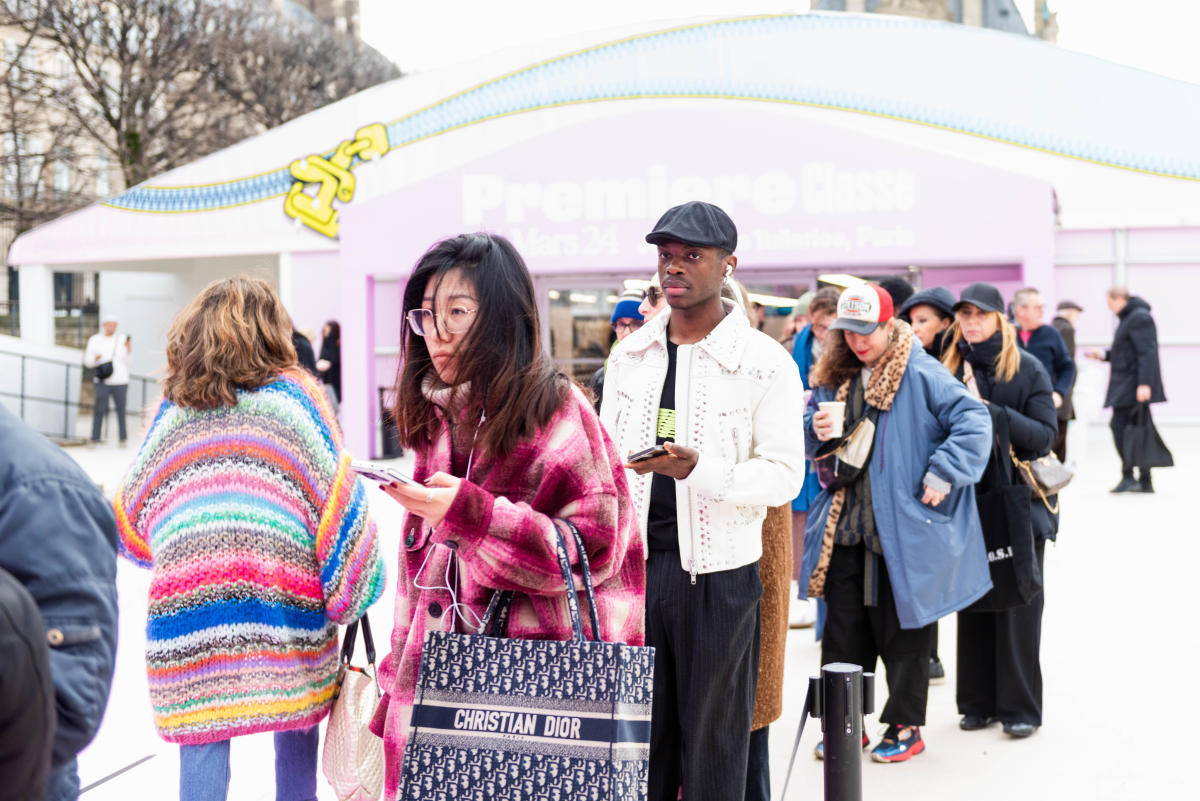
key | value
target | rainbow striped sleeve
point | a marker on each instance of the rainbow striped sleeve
(132, 545)
(352, 573)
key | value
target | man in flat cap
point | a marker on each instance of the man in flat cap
(719, 398)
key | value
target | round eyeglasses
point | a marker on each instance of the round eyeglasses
(654, 294)
(627, 322)
(455, 320)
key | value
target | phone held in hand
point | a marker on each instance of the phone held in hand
(649, 453)
(383, 474)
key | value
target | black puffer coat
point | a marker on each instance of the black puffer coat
(1134, 356)
(1028, 402)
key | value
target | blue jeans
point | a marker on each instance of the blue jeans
(204, 769)
(63, 783)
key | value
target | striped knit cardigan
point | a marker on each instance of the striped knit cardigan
(259, 543)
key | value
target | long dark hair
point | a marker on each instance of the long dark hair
(500, 365)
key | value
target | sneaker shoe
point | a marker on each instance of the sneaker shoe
(898, 744)
(819, 751)
(802, 614)
(1127, 485)
(937, 673)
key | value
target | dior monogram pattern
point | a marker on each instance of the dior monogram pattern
(534, 720)
(445, 773)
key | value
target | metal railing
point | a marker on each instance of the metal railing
(10, 318)
(32, 393)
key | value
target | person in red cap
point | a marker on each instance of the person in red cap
(898, 545)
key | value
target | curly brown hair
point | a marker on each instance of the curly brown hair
(234, 335)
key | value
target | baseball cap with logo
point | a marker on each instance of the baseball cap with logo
(862, 309)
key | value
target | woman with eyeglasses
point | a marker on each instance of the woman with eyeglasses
(504, 444)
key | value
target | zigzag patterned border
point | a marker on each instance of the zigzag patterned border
(609, 72)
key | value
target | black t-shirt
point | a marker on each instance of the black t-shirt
(662, 530)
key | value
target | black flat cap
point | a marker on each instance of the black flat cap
(982, 296)
(695, 223)
(938, 297)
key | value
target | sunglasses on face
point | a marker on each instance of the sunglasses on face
(654, 294)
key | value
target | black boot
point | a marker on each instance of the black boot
(1145, 485)
(1127, 485)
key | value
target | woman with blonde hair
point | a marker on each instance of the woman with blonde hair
(242, 504)
(999, 668)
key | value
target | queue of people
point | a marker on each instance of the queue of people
(703, 501)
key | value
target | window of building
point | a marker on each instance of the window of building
(62, 178)
(103, 176)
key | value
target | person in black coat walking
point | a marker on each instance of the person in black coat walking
(1047, 344)
(999, 665)
(1135, 378)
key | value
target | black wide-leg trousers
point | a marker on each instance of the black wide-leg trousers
(999, 660)
(705, 637)
(861, 634)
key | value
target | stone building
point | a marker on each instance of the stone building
(1001, 15)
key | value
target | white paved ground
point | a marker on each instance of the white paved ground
(1118, 648)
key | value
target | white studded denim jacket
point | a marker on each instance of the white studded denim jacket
(739, 402)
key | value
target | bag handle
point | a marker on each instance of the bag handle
(495, 619)
(351, 637)
(586, 570)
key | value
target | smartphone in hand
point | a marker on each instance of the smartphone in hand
(649, 453)
(383, 474)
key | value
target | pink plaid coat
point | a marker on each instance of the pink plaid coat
(500, 526)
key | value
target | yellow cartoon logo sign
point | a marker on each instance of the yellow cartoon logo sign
(332, 178)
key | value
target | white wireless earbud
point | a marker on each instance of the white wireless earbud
(729, 271)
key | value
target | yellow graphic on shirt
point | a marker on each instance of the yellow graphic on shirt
(666, 424)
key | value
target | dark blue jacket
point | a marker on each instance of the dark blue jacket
(802, 354)
(935, 555)
(1048, 346)
(58, 537)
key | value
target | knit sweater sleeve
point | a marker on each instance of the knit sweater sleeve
(352, 574)
(132, 541)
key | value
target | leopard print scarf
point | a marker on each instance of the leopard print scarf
(880, 392)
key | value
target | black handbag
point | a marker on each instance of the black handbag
(104, 370)
(1006, 519)
(839, 462)
(1141, 445)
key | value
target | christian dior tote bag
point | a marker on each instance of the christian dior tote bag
(498, 719)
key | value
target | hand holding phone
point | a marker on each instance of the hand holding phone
(649, 453)
(383, 473)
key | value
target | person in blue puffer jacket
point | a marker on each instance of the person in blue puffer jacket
(900, 546)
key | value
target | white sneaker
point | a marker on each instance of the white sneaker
(802, 614)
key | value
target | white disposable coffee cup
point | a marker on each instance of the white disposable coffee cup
(837, 412)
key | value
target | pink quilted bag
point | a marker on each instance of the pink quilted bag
(353, 757)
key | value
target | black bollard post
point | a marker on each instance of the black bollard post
(846, 695)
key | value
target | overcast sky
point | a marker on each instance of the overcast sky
(1155, 35)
